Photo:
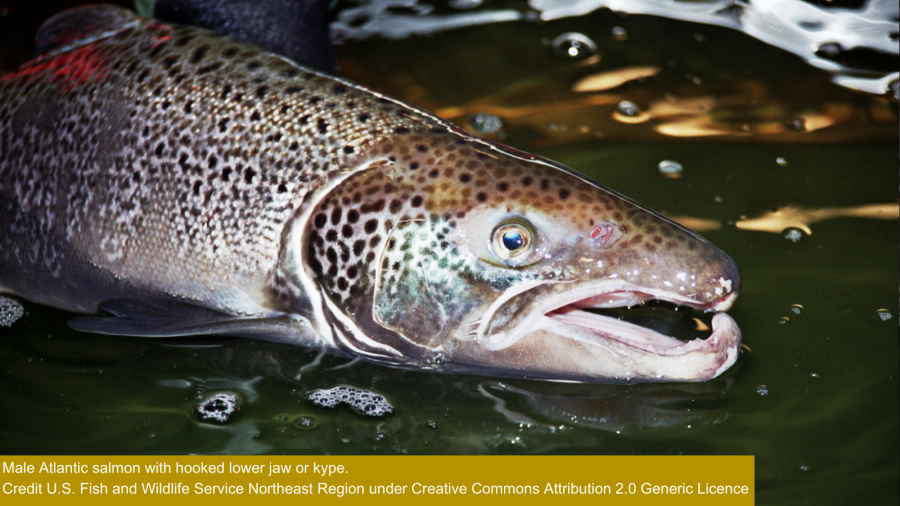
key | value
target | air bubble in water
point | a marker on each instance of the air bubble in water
(574, 45)
(796, 308)
(793, 234)
(10, 311)
(762, 390)
(362, 401)
(619, 33)
(781, 161)
(486, 124)
(798, 124)
(629, 109)
(217, 407)
(670, 169)
(885, 315)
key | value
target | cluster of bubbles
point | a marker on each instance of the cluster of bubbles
(217, 407)
(10, 311)
(362, 401)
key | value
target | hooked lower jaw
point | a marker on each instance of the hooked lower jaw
(617, 350)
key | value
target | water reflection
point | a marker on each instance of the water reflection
(623, 409)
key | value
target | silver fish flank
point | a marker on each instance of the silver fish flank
(190, 184)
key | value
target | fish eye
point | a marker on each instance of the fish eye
(513, 240)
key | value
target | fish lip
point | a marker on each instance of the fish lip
(555, 315)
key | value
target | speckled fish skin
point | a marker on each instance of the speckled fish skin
(146, 161)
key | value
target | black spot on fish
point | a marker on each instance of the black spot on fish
(262, 91)
(226, 173)
(371, 226)
(182, 41)
(165, 105)
(159, 149)
(230, 52)
(352, 271)
(304, 119)
(209, 68)
(503, 187)
(481, 196)
(421, 148)
(197, 185)
(331, 254)
(417, 201)
(152, 54)
(254, 65)
(526, 181)
(315, 100)
(346, 231)
(378, 206)
(358, 247)
(340, 88)
(293, 89)
(352, 216)
(282, 188)
(223, 124)
(336, 214)
(331, 235)
(225, 91)
(348, 149)
(199, 53)
(289, 73)
(434, 173)
(294, 146)
(545, 184)
(396, 205)
(143, 75)
(169, 61)
(414, 165)
(401, 130)
(363, 117)
(255, 116)
(189, 107)
(322, 125)
(248, 175)
(563, 194)
(213, 161)
(285, 109)
(320, 220)
(342, 283)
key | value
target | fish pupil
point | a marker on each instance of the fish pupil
(513, 240)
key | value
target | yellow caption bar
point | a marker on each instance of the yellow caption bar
(620, 480)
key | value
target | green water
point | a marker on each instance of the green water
(826, 430)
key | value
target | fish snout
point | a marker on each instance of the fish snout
(721, 280)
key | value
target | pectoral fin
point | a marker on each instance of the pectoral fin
(163, 318)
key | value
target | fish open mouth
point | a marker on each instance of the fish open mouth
(619, 331)
(593, 313)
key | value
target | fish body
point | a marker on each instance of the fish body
(189, 184)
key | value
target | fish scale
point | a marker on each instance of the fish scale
(230, 204)
(190, 184)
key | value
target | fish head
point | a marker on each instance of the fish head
(456, 254)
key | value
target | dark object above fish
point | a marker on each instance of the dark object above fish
(190, 184)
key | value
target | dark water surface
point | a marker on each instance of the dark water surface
(816, 401)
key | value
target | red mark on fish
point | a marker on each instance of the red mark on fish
(74, 68)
